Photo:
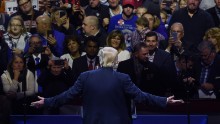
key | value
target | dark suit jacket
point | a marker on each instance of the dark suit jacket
(80, 65)
(149, 78)
(213, 76)
(42, 65)
(163, 59)
(214, 15)
(123, 68)
(104, 100)
(165, 63)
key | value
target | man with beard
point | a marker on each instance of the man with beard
(195, 22)
(28, 14)
(114, 7)
(143, 73)
(124, 22)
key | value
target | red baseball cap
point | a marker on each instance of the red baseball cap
(128, 2)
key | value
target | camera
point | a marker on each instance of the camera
(39, 49)
(55, 3)
(59, 62)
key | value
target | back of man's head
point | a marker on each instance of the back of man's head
(108, 57)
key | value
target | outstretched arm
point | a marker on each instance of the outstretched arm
(39, 103)
(62, 98)
(171, 100)
(150, 99)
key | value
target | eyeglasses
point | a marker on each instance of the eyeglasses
(25, 3)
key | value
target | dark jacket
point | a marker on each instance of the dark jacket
(214, 15)
(213, 76)
(53, 85)
(104, 100)
(42, 65)
(80, 65)
(148, 79)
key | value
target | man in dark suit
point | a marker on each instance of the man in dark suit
(36, 50)
(208, 71)
(214, 12)
(143, 73)
(104, 93)
(84, 63)
(162, 60)
(36, 61)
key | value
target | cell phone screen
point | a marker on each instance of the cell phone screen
(49, 33)
(77, 3)
(174, 35)
(59, 62)
(62, 13)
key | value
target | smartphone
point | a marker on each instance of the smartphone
(39, 49)
(50, 33)
(77, 3)
(55, 3)
(59, 62)
(62, 13)
(174, 35)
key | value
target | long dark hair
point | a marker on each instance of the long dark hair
(23, 73)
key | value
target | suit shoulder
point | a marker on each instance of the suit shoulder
(125, 61)
(85, 74)
(211, 10)
(121, 75)
(163, 52)
(80, 59)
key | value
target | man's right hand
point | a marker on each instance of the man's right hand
(39, 103)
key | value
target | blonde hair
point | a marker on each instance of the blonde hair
(19, 18)
(214, 33)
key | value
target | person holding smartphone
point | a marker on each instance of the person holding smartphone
(54, 80)
(61, 22)
(175, 46)
(53, 40)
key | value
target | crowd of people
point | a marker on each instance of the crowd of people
(165, 46)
